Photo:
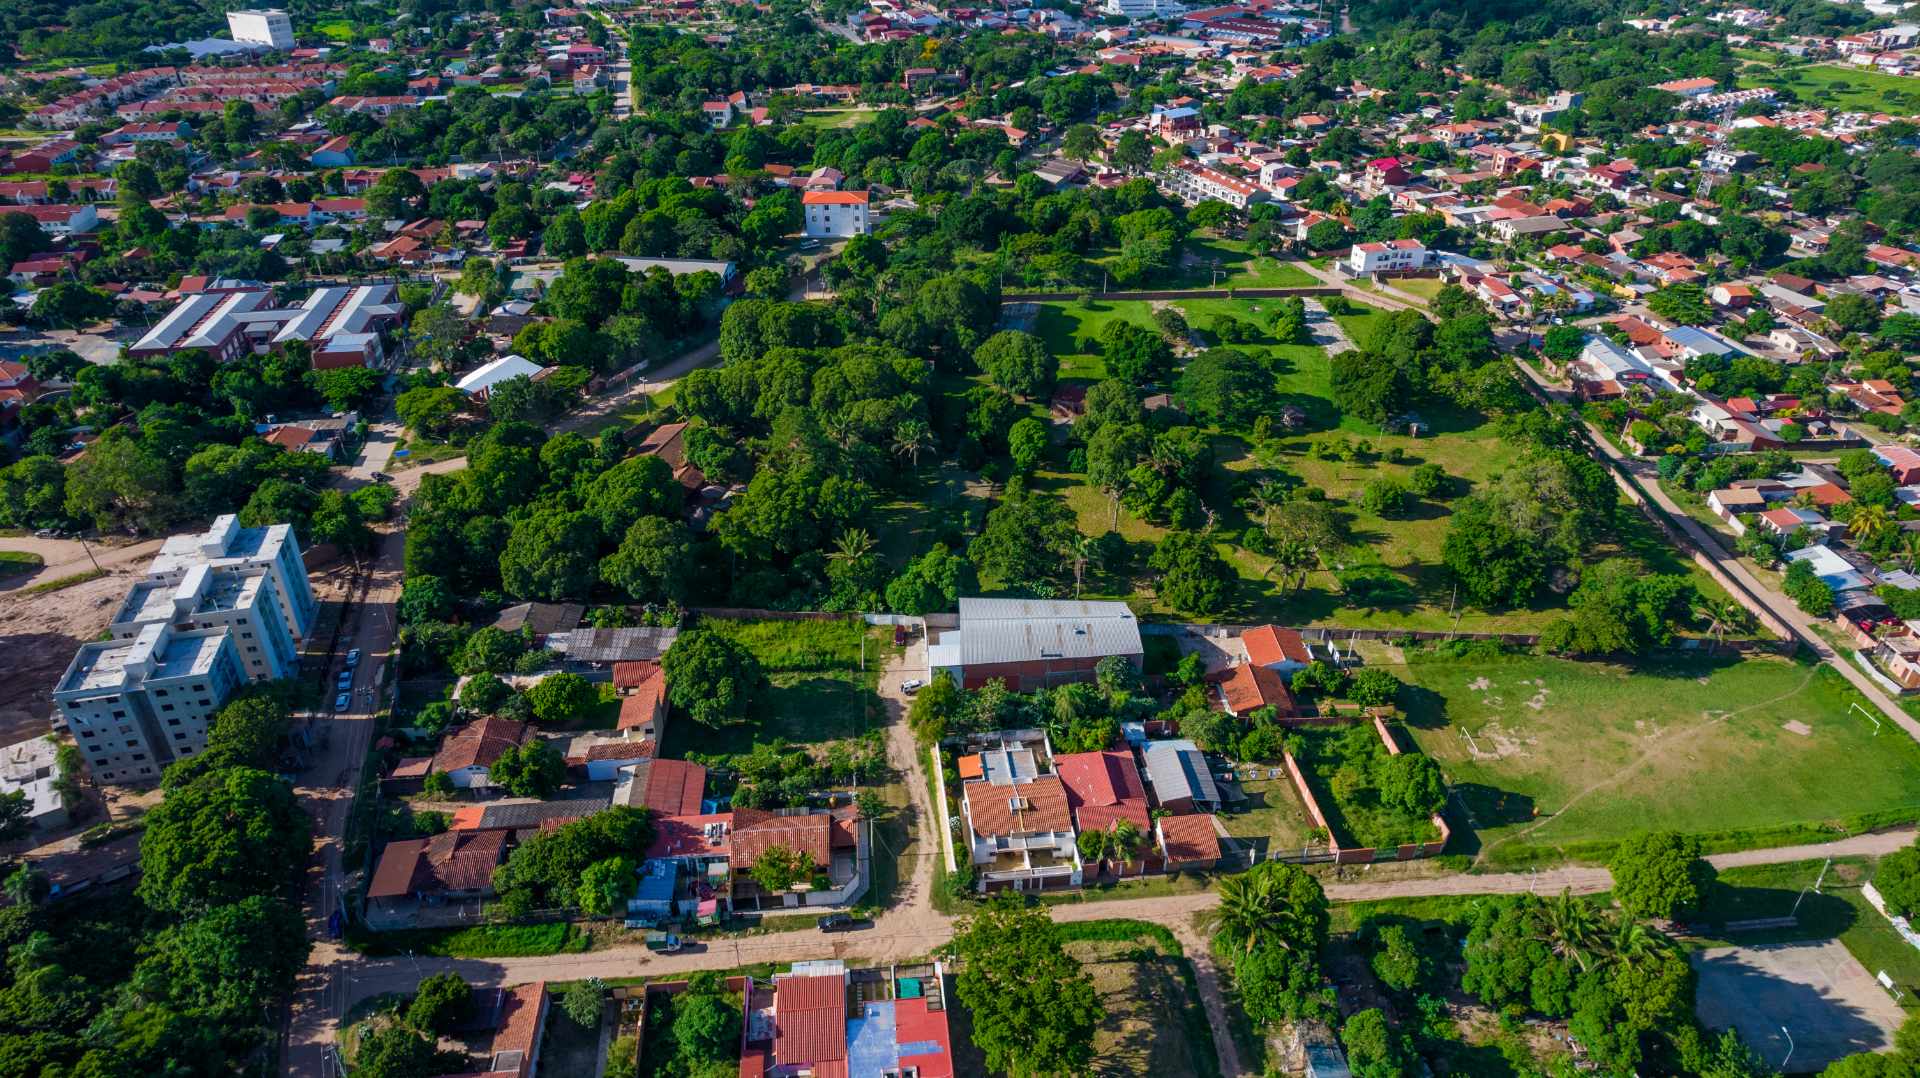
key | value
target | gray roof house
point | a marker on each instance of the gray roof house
(1031, 643)
(1177, 770)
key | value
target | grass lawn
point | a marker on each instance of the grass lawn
(336, 30)
(1072, 331)
(58, 583)
(1557, 759)
(1359, 321)
(1420, 288)
(1275, 819)
(419, 452)
(1154, 1023)
(836, 117)
(479, 941)
(1833, 86)
(1840, 911)
(1238, 266)
(19, 563)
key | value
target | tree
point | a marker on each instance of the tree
(1897, 878)
(780, 867)
(1326, 235)
(16, 814)
(423, 598)
(1374, 687)
(606, 885)
(1026, 542)
(1808, 592)
(562, 698)
(935, 708)
(442, 1005)
(551, 556)
(439, 337)
(219, 839)
(1397, 960)
(1374, 1050)
(1134, 354)
(932, 582)
(535, 769)
(1133, 152)
(1564, 343)
(1384, 496)
(1853, 312)
(545, 870)
(1194, 578)
(1017, 362)
(120, 485)
(1034, 1008)
(1685, 304)
(706, 1023)
(1225, 386)
(1027, 443)
(713, 678)
(396, 1051)
(1081, 142)
(654, 563)
(564, 237)
(430, 411)
(1274, 905)
(1660, 874)
(490, 651)
(1411, 782)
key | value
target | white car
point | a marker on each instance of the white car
(912, 685)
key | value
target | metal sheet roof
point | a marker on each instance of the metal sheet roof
(1177, 769)
(1023, 630)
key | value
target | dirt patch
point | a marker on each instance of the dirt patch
(1795, 726)
(1144, 996)
(1480, 684)
(41, 633)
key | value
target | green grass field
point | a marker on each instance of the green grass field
(336, 30)
(1274, 818)
(1154, 1022)
(836, 117)
(1237, 265)
(1833, 86)
(1553, 759)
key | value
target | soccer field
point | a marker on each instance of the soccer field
(1553, 758)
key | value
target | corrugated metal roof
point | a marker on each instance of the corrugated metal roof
(1177, 769)
(1023, 630)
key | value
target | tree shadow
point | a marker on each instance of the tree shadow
(1423, 708)
(1489, 806)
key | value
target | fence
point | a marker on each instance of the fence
(1365, 854)
(1334, 634)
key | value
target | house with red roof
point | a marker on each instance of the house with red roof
(822, 1019)
(1249, 687)
(1278, 649)
(1103, 788)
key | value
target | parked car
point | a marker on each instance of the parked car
(345, 681)
(353, 658)
(843, 922)
(341, 701)
(912, 685)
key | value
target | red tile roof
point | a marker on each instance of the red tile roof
(1043, 804)
(1103, 787)
(449, 861)
(1270, 644)
(685, 836)
(1189, 838)
(479, 743)
(671, 787)
(810, 1020)
(631, 675)
(756, 831)
(1249, 686)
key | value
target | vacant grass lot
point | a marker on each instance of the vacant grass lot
(1274, 818)
(1551, 758)
(1834, 86)
(1150, 1028)
(1355, 821)
(820, 693)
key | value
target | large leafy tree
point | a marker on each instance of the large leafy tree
(233, 959)
(1034, 1008)
(1017, 362)
(1660, 874)
(1026, 542)
(1193, 577)
(713, 678)
(224, 837)
(551, 555)
(655, 561)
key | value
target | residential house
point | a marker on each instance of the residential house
(1019, 822)
(468, 752)
(822, 1019)
(1387, 256)
(449, 867)
(1249, 686)
(1181, 781)
(668, 787)
(1188, 843)
(835, 214)
(1278, 649)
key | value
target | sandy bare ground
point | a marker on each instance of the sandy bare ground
(38, 636)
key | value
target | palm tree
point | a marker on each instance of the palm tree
(1082, 553)
(1293, 560)
(1632, 942)
(853, 545)
(1909, 548)
(1721, 616)
(1125, 840)
(1254, 910)
(912, 438)
(1870, 524)
(1568, 927)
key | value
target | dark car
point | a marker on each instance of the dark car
(843, 922)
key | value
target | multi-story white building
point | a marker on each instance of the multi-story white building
(1388, 256)
(832, 214)
(227, 545)
(244, 599)
(135, 706)
(1143, 9)
(1193, 182)
(215, 611)
(266, 26)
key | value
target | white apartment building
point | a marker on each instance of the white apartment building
(215, 610)
(1388, 256)
(265, 26)
(1193, 182)
(135, 706)
(227, 545)
(1143, 9)
(834, 214)
(243, 599)
(30, 768)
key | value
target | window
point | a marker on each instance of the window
(173, 722)
(166, 707)
(159, 692)
(206, 703)
(119, 714)
(140, 756)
